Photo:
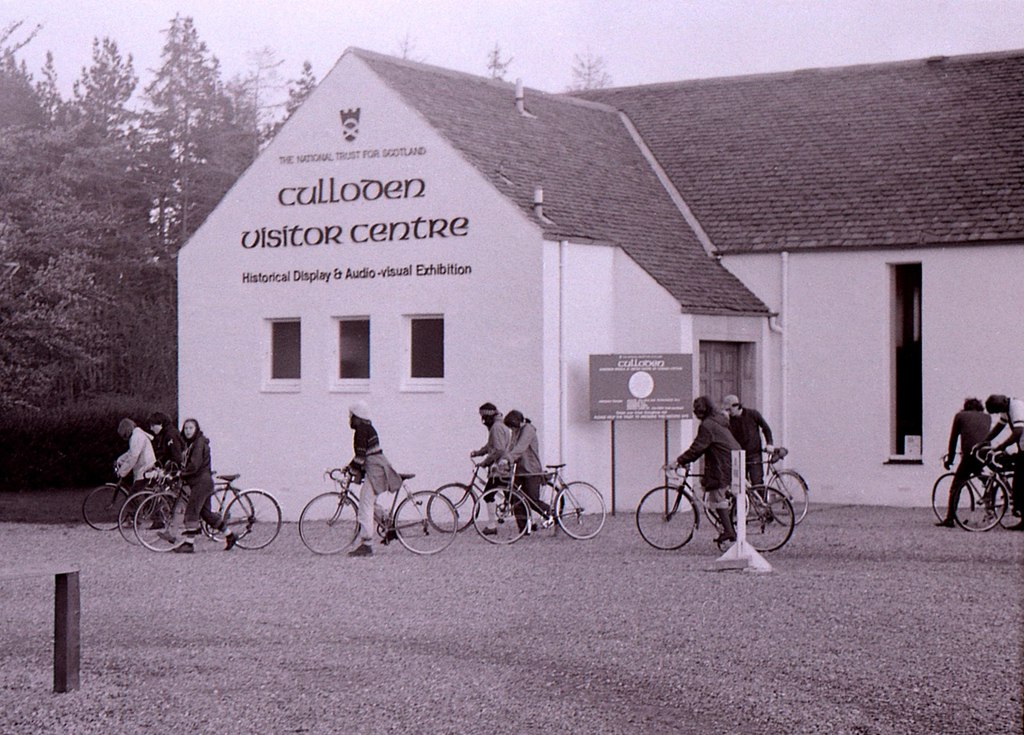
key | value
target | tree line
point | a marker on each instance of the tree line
(98, 193)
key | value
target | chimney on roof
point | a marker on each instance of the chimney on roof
(538, 202)
(520, 97)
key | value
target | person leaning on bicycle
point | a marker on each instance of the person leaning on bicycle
(524, 453)
(370, 467)
(747, 425)
(715, 443)
(969, 429)
(1009, 412)
(494, 459)
(196, 472)
(140, 457)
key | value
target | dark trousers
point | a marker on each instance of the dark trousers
(199, 508)
(1018, 484)
(755, 469)
(968, 468)
(530, 487)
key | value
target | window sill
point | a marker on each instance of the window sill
(281, 386)
(349, 386)
(422, 385)
(897, 459)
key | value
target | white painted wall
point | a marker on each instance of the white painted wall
(838, 333)
(284, 441)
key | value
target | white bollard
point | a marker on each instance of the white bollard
(741, 555)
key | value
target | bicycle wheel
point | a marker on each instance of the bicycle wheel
(770, 518)
(940, 495)
(791, 484)
(101, 507)
(979, 507)
(462, 499)
(579, 510)
(426, 522)
(154, 520)
(126, 518)
(219, 500)
(666, 517)
(508, 523)
(329, 523)
(254, 517)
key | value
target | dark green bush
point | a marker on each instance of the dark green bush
(72, 446)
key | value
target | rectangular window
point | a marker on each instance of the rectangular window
(426, 347)
(354, 349)
(906, 352)
(285, 350)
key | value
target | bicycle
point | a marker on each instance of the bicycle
(577, 508)
(465, 496)
(983, 499)
(102, 506)
(769, 523)
(160, 479)
(252, 515)
(790, 482)
(424, 521)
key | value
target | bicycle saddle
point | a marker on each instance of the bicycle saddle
(228, 478)
(404, 476)
(555, 466)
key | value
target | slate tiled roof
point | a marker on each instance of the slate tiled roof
(898, 154)
(597, 184)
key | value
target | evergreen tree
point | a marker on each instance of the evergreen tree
(102, 92)
(497, 67)
(48, 93)
(187, 103)
(299, 89)
(588, 72)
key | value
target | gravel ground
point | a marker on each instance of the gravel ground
(873, 621)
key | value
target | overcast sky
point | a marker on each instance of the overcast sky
(641, 41)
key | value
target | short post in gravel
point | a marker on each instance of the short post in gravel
(741, 555)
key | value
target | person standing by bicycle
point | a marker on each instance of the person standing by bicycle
(494, 459)
(140, 457)
(1009, 412)
(715, 443)
(747, 425)
(167, 442)
(970, 427)
(524, 455)
(196, 473)
(370, 467)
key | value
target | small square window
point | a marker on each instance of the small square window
(285, 350)
(426, 343)
(354, 349)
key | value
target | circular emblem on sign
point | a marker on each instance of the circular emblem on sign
(641, 384)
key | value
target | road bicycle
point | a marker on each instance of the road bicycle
(983, 500)
(252, 515)
(789, 482)
(102, 506)
(424, 521)
(161, 480)
(668, 515)
(577, 507)
(465, 496)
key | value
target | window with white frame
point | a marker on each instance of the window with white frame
(426, 348)
(285, 350)
(907, 385)
(353, 349)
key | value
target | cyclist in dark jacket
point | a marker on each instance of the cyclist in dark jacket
(167, 442)
(715, 443)
(747, 425)
(970, 428)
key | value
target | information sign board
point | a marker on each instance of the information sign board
(635, 387)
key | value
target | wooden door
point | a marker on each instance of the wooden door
(728, 368)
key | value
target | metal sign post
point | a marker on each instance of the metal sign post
(741, 555)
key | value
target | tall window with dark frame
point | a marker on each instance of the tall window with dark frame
(907, 356)
(354, 349)
(426, 347)
(286, 350)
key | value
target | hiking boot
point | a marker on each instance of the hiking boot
(230, 540)
(168, 536)
(946, 523)
(490, 532)
(185, 547)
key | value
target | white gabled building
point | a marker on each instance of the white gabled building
(426, 241)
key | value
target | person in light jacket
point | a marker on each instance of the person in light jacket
(139, 459)
(495, 459)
